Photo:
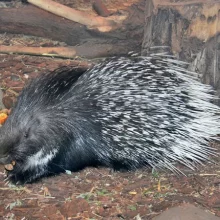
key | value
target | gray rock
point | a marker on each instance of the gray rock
(186, 212)
(1, 104)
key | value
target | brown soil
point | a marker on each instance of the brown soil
(95, 193)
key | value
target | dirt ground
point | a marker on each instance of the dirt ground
(95, 193)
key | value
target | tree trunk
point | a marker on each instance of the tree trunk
(191, 29)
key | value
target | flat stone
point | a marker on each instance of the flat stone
(1, 103)
(7, 102)
(186, 212)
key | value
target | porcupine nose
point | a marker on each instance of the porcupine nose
(4, 159)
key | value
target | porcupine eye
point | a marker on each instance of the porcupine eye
(26, 134)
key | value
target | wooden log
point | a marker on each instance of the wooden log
(91, 42)
(91, 21)
(64, 52)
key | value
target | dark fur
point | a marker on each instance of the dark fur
(123, 114)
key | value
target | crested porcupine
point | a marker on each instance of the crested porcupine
(123, 113)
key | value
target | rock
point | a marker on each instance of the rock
(7, 101)
(1, 103)
(186, 212)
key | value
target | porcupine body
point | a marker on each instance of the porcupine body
(123, 113)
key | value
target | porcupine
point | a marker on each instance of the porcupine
(123, 113)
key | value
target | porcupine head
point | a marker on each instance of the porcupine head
(39, 128)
